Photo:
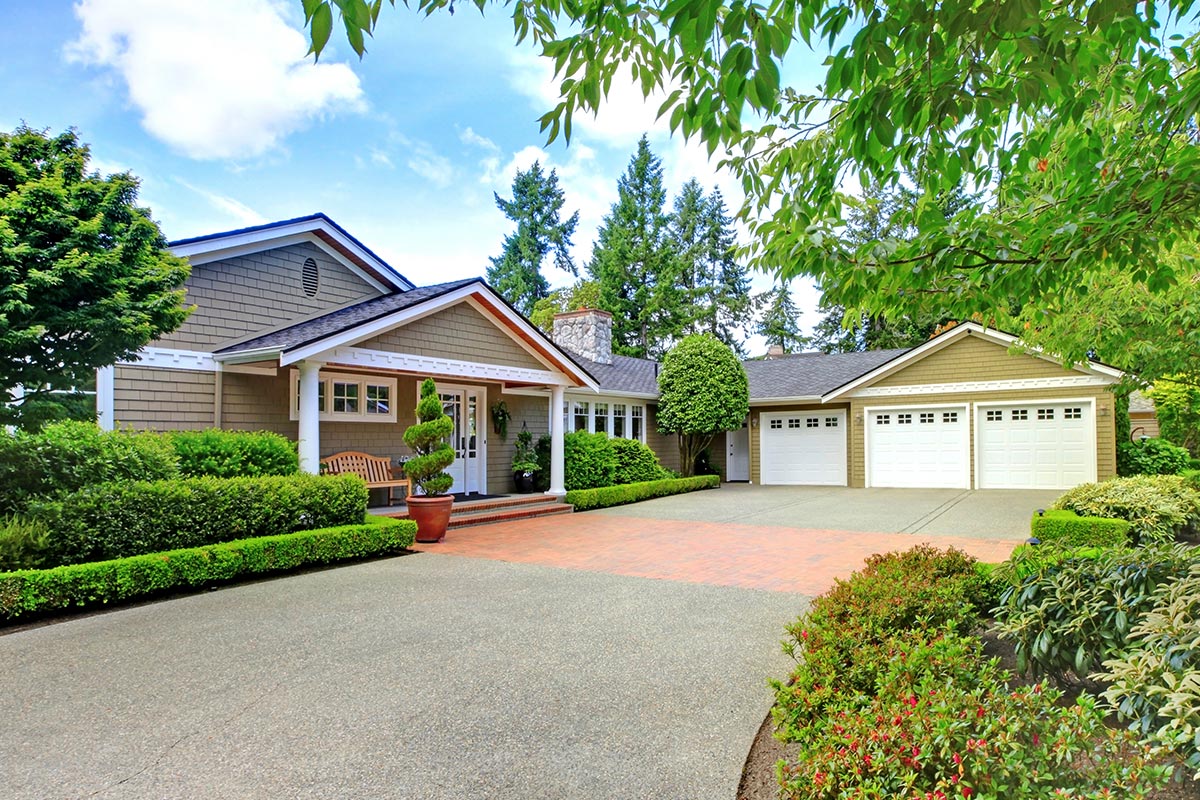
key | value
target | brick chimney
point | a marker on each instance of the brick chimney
(587, 332)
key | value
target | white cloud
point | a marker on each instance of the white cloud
(241, 213)
(381, 159)
(424, 160)
(470, 137)
(222, 79)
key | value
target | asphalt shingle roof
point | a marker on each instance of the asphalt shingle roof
(811, 374)
(625, 374)
(359, 314)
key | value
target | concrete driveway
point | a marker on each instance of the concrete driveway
(425, 676)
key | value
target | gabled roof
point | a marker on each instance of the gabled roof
(316, 228)
(353, 323)
(810, 375)
(903, 358)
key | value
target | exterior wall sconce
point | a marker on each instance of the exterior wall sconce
(858, 419)
(754, 421)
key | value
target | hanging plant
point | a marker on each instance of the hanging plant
(427, 438)
(500, 418)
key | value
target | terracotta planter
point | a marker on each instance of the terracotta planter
(432, 515)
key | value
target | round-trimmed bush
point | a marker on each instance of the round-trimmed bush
(590, 460)
(636, 463)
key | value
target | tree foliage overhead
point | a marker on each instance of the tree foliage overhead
(576, 297)
(702, 390)
(536, 207)
(632, 262)
(1076, 119)
(85, 276)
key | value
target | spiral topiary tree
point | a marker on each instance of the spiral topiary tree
(427, 438)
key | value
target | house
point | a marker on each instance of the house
(300, 329)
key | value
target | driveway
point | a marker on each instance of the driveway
(788, 539)
(425, 676)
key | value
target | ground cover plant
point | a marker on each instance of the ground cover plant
(1159, 507)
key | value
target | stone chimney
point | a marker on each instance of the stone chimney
(775, 351)
(587, 332)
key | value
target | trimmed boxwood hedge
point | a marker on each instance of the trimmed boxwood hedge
(234, 454)
(116, 520)
(605, 496)
(78, 586)
(1068, 528)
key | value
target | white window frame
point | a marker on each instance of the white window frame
(609, 402)
(329, 415)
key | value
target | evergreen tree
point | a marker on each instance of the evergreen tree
(632, 262)
(780, 322)
(536, 206)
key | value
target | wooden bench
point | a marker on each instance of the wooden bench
(375, 470)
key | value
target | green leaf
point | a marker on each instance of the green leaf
(320, 25)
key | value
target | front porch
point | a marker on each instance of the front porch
(469, 512)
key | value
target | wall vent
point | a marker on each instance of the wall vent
(311, 278)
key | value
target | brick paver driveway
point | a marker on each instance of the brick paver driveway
(791, 539)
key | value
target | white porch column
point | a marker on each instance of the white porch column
(557, 470)
(105, 401)
(310, 417)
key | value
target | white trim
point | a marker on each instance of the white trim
(529, 331)
(954, 334)
(611, 393)
(481, 427)
(407, 315)
(609, 400)
(774, 401)
(427, 365)
(866, 423)
(1095, 437)
(106, 397)
(171, 358)
(247, 242)
(328, 379)
(1016, 384)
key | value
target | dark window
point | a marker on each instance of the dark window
(995, 416)
(883, 419)
(949, 417)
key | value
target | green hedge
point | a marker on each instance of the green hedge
(1151, 457)
(636, 463)
(1068, 528)
(78, 586)
(589, 460)
(605, 496)
(234, 454)
(117, 520)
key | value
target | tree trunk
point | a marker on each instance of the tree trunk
(690, 446)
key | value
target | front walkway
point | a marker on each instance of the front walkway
(774, 538)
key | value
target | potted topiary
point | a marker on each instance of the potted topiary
(427, 438)
(524, 462)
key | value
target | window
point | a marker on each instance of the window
(618, 420)
(601, 418)
(776, 424)
(349, 398)
(794, 422)
(831, 422)
(995, 416)
(1020, 414)
(635, 423)
(581, 415)
(1045, 413)
(904, 419)
(1072, 413)
(812, 422)
(927, 417)
(883, 419)
(949, 417)
(379, 399)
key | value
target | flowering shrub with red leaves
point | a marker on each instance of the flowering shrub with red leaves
(943, 725)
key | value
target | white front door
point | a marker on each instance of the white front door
(1042, 445)
(737, 454)
(803, 448)
(918, 447)
(465, 406)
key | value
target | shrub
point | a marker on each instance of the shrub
(67, 456)
(1151, 457)
(1158, 506)
(541, 478)
(942, 723)
(854, 630)
(1177, 407)
(23, 542)
(234, 454)
(635, 462)
(427, 438)
(1066, 618)
(116, 520)
(605, 496)
(33, 592)
(1156, 685)
(1071, 530)
(590, 460)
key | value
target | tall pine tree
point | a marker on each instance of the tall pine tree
(632, 262)
(780, 321)
(536, 207)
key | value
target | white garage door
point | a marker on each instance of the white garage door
(918, 447)
(803, 448)
(1035, 446)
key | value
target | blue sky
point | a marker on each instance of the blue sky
(214, 106)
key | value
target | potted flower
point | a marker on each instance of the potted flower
(524, 462)
(427, 439)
